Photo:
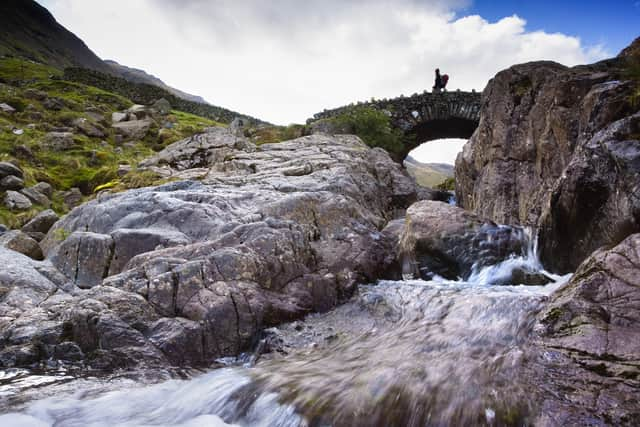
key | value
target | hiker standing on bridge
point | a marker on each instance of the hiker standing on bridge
(441, 81)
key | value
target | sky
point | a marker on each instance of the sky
(284, 60)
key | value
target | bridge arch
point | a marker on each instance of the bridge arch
(427, 116)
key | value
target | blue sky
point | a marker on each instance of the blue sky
(612, 24)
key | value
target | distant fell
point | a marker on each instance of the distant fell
(140, 76)
(30, 31)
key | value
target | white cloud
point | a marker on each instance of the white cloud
(284, 60)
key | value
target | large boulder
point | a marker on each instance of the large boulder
(444, 240)
(133, 129)
(590, 340)
(11, 183)
(9, 169)
(202, 150)
(596, 201)
(531, 158)
(22, 243)
(269, 235)
(16, 201)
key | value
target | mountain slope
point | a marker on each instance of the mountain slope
(30, 31)
(140, 76)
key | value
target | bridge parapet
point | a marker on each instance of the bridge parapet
(408, 112)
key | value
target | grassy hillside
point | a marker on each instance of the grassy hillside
(45, 103)
(430, 175)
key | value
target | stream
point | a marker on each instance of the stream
(400, 353)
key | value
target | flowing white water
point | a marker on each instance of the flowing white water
(431, 353)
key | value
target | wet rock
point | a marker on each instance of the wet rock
(442, 239)
(3, 228)
(16, 201)
(526, 277)
(7, 169)
(11, 183)
(22, 243)
(590, 335)
(556, 149)
(42, 222)
(36, 197)
(248, 247)
(133, 129)
(596, 202)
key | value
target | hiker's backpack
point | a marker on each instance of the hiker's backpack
(445, 80)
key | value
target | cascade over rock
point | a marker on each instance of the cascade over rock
(191, 271)
(557, 148)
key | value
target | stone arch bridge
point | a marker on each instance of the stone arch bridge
(425, 116)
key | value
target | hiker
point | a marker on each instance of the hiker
(441, 81)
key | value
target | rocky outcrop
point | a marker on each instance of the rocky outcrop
(556, 147)
(191, 271)
(444, 240)
(590, 332)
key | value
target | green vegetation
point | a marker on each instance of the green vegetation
(448, 185)
(373, 126)
(143, 93)
(44, 104)
(272, 134)
(632, 72)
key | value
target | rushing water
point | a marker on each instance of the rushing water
(404, 353)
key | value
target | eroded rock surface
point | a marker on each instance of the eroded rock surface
(444, 240)
(590, 340)
(556, 147)
(191, 271)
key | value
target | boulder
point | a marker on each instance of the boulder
(36, 197)
(41, 223)
(556, 149)
(72, 198)
(3, 228)
(250, 246)
(200, 150)
(596, 202)
(23, 152)
(16, 201)
(162, 106)
(7, 169)
(59, 141)
(133, 129)
(22, 243)
(11, 183)
(590, 335)
(55, 104)
(36, 94)
(84, 258)
(444, 240)
(118, 117)
(44, 188)
(6, 108)
(88, 128)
